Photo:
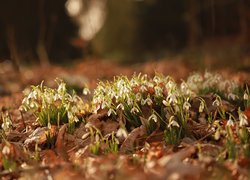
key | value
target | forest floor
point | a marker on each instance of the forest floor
(29, 150)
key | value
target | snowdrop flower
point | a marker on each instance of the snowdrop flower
(56, 97)
(111, 111)
(70, 115)
(86, 91)
(232, 96)
(129, 101)
(76, 119)
(166, 103)
(230, 122)
(61, 88)
(186, 106)
(25, 101)
(170, 85)
(245, 96)
(134, 110)
(172, 122)
(7, 123)
(97, 108)
(74, 109)
(32, 95)
(158, 91)
(6, 150)
(48, 99)
(157, 79)
(184, 86)
(138, 97)
(148, 101)
(153, 117)
(143, 88)
(172, 98)
(216, 102)
(120, 106)
(122, 133)
(133, 82)
(243, 119)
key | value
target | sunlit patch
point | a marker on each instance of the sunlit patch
(73, 7)
(90, 16)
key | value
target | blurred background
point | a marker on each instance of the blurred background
(204, 33)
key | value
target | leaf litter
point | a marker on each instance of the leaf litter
(210, 148)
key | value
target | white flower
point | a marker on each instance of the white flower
(61, 88)
(7, 123)
(230, 122)
(138, 97)
(165, 103)
(48, 99)
(32, 95)
(143, 88)
(56, 97)
(153, 117)
(76, 119)
(70, 115)
(97, 108)
(232, 96)
(243, 119)
(25, 101)
(120, 106)
(170, 85)
(148, 101)
(122, 133)
(245, 97)
(74, 109)
(129, 101)
(6, 150)
(172, 122)
(33, 105)
(157, 79)
(134, 110)
(111, 111)
(158, 91)
(86, 91)
(216, 102)
(172, 98)
(186, 106)
(184, 86)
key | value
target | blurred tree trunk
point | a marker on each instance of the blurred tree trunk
(11, 42)
(193, 24)
(117, 38)
(41, 48)
(243, 20)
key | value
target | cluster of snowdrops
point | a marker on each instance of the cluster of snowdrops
(157, 104)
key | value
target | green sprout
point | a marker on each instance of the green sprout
(112, 144)
(54, 106)
(7, 160)
(231, 144)
(6, 121)
(246, 98)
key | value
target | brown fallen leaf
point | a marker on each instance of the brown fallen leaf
(176, 169)
(60, 147)
(39, 136)
(127, 145)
